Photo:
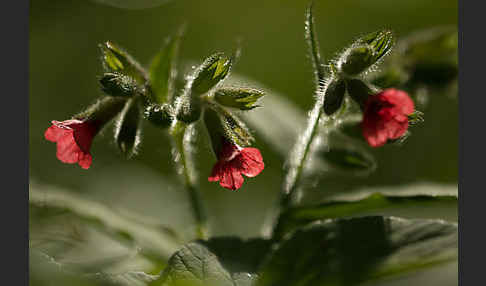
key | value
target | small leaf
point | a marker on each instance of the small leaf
(163, 69)
(371, 204)
(128, 128)
(358, 250)
(115, 59)
(334, 96)
(241, 98)
(117, 84)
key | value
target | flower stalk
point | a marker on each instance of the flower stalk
(181, 135)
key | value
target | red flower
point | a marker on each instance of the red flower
(233, 161)
(73, 138)
(386, 116)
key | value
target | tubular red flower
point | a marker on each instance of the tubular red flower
(73, 138)
(386, 116)
(233, 162)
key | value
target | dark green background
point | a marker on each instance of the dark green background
(64, 66)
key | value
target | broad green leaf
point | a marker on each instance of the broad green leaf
(133, 278)
(155, 242)
(163, 70)
(358, 250)
(219, 261)
(374, 204)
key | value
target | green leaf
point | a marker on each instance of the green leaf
(128, 128)
(374, 204)
(219, 261)
(133, 278)
(358, 250)
(163, 70)
(155, 242)
(116, 59)
(240, 98)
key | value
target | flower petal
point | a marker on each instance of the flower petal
(54, 133)
(231, 179)
(217, 172)
(251, 162)
(85, 160)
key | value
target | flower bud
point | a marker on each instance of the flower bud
(128, 127)
(334, 96)
(221, 123)
(241, 98)
(188, 108)
(117, 84)
(359, 91)
(160, 115)
(365, 52)
(115, 59)
(214, 69)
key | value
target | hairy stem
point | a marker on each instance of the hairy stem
(300, 152)
(181, 136)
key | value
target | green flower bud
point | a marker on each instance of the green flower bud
(221, 123)
(214, 69)
(128, 128)
(334, 96)
(159, 115)
(115, 59)
(365, 52)
(359, 91)
(241, 98)
(117, 84)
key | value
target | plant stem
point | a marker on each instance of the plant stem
(181, 133)
(299, 156)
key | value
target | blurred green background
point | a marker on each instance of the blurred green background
(65, 66)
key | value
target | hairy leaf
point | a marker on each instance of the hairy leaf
(358, 250)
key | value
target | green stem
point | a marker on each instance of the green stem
(182, 155)
(299, 156)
